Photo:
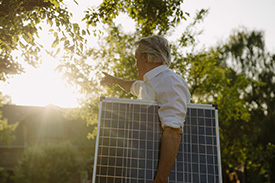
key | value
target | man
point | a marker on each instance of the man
(157, 82)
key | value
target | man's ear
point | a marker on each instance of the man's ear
(145, 57)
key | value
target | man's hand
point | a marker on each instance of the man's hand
(108, 79)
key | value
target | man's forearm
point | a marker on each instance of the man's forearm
(124, 84)
(170, 142)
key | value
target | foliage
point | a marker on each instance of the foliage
(48, 162)
(20, 22)
(149, 15)
(4, 176)
(5, 128)
(210, 83)
(244, 52)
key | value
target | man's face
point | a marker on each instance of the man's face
(140, 64)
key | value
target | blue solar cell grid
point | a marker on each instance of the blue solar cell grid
(128, 144)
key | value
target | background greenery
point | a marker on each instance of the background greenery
(49, 162)
(238, 73)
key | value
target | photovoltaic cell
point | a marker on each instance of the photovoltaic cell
(129, 137)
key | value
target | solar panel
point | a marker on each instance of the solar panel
(128, 144)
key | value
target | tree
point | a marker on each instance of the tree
(5, 128)
(245, 53)
(20, 22)
(151, 16)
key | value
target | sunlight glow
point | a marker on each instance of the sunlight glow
(41, 87)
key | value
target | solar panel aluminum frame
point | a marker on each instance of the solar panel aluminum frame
(218, 178)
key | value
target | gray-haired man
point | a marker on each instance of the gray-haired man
(157, 82)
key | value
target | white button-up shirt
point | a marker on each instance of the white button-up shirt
(169, 90)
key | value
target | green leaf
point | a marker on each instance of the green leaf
(58, 50)
(55, 43)
(75, 2)
(21, 44)
(26, 38)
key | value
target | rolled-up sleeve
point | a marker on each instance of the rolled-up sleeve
(143, 90)
(173, 96)
(135, 88)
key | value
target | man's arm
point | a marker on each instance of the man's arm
(124, 84)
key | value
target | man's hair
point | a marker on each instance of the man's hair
(157, 49)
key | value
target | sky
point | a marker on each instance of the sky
(226, 15)
(43, 86)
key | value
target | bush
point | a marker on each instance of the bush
(49, 163)
(4, 176)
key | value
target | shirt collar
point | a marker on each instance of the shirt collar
(154, 72)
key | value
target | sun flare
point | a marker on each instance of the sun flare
(41, 86)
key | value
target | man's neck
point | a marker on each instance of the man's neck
(149, 67)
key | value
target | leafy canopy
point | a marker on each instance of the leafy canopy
(20, 22)
(151, 16)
